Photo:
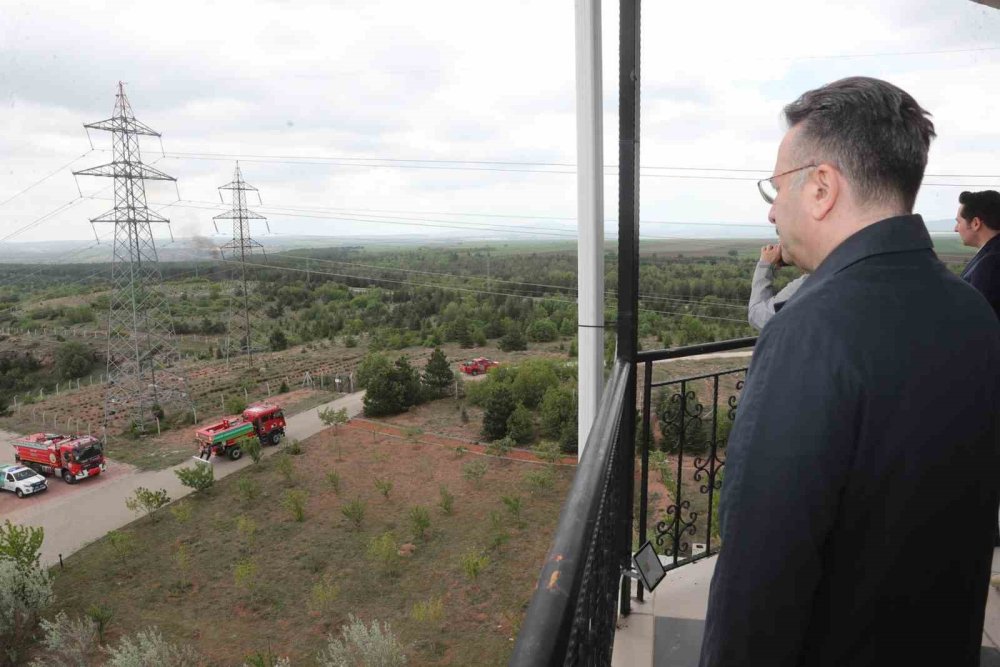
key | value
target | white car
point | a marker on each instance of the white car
(21, 481)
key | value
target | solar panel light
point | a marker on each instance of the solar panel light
(646, 567)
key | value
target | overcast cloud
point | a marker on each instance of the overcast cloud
(471, 81)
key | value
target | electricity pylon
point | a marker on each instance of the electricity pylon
(241, 249)
(143, 378)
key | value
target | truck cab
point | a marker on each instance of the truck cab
(268, 420)
(21, 481)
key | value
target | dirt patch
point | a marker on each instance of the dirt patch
(201, 603)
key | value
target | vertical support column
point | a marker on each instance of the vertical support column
(590, 215)
(628, 262)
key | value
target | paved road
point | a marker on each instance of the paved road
(74, 516)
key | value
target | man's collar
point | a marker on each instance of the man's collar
(901, 233)
(991, 245)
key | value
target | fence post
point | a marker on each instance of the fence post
(268, 385)
(246, 397)
(194, 412)
(157, 426)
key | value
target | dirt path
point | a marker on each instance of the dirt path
(74, 516)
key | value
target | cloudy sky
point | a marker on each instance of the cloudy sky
(392, 117)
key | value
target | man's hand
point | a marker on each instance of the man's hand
(772, 255)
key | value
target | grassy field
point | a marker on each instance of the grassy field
(309, 575)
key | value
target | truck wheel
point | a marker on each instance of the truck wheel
(20, 493)
(68, 477)
(235, 453)
(275, 437)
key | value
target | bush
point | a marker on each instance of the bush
(295, 502)
(362, 646)
(24, 592)
(384, 486)
(279, 341)
(543, 331)
(384, 551)
(247, 528)
(540, 480)
(447, 502)
(68, 642)
(324, 593)
(73, 360)
(420, 519)
(558, 408)
(181, 512)
(21, 544)
(513, 340)
(294, 448)
(354, 511)
(122, 543)
(252, 448)
(145, 500)
(547, 451)
(285, 468)
(235, 405)
(149, 648)
(283, 389)
(200, 478)
(474, 471)
(266, 659)
(332, 417)
(101, 616)
(333, 479)
(498, 535)
(428, 611)
(245, 576)
(473, 563)
(514, 505)
(500, 447)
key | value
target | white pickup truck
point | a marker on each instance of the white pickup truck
(21, 481)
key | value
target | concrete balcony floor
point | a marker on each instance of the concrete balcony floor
(666, 631)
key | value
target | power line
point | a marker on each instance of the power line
(43, 179)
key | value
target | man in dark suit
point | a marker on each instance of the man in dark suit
(866, 440)
(978, 225)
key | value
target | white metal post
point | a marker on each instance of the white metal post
(590, 213)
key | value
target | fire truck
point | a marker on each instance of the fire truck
(72, 457)
(477, 366)
(264, 421)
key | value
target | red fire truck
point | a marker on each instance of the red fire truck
(264, 421)
(477, 366)
(72, 457)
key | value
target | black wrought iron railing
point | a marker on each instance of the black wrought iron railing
(571, 618)
(685, 428)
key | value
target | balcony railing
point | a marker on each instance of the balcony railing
(580, 593)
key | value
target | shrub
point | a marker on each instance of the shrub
(420, 519)
(286, 469)
(182, 559)
(473, 563)
(266, 659)
(332, 417)
(540, 480)
(145, 500)
(447, 502)
(514, 505)
(235, 405)
(333, 479)
(294, 448)
(247, 528)
(68, 642)
(200, 478)
(248, 489)
(101, 616)
(73, 360)
(354, 511)
(283, 389)
(181, 512)
(279, 341)
(384, 551)
(21, 544)
(547, 451)
(324, 593)
(295, 502)
(474, 471)
(500, 447)
(251, 447)
(428, 611)
(360, 645)
(149, 648)
(513, 340)
(384, 486)
(123, 544)
(438, 376)
(245, 576)
(520, 426)
(24, 592)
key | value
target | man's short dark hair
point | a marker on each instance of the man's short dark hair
(874, 132)
(984, 205)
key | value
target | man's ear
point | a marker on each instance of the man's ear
(823, 189)
(975, 224)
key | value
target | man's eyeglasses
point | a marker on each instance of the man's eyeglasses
(767, 188)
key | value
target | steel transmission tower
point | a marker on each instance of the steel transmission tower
(143, 378)
(240, 249)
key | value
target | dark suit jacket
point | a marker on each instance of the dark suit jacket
(983, 272)
(860, 493)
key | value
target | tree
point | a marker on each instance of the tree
(331, 417)
(73, 360)
(534, 377)
(24, 592)
(498, 409)
(391, 388)
(278, 340)
(200, 478)
(558, 408)
(520, 425)
(438, 376)
(513, 340)
(146, 500)
(21, 544)
(543, 331)
(373, 364)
